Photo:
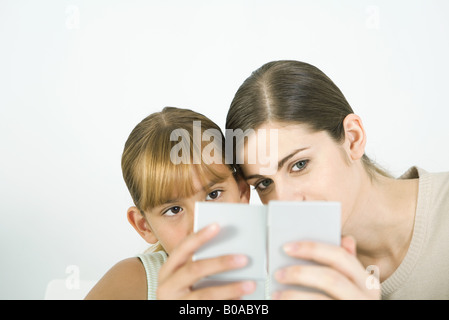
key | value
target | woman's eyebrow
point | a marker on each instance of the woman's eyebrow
(281, 163)
(253, 176)
(285, 159)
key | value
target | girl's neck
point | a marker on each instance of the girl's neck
(382, 221)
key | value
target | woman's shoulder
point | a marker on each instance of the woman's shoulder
(439, 181)
(125, 280)
(439, 178)
(433, 192)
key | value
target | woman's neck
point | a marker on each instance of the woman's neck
(382, 221)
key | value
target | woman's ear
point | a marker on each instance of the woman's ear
(141, 225)
(355, 136)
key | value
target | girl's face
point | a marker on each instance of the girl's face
(308, 166)
(172, 221)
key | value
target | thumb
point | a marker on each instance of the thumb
(349, 244)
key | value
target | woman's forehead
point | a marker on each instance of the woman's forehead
(265, 153)
(267, 139)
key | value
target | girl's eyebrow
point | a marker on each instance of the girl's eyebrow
(211, 184)
(205, 188)
(281, 163)
(170, 201)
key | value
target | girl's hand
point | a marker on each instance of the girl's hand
(179, 273)
(340, 275)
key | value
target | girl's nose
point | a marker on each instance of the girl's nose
(189, 228)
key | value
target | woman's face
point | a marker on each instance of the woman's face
(172, 221)
(308, 166)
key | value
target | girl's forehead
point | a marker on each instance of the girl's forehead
(215, 173)
(197, 178)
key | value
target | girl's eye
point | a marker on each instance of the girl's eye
(262, 185)
(214, 195)
(173, 211)
(300, 165)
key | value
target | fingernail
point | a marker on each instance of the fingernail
(276, 295)
(240, 260)
(248, 286)
(290, 247)
(279, 275)
(212, 227)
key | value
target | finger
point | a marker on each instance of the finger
(223, 292)
(349, 244)
(186, 276)
(325, 279)
(185, 250)
(298, 295)
(330, 255)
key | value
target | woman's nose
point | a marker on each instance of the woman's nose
(288, 193)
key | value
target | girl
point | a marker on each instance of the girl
(164, 191)
(401, 226)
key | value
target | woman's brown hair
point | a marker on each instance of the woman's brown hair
(292, 92)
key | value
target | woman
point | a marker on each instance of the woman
(164, 191)
(400, 226)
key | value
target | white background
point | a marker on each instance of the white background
(77, 76)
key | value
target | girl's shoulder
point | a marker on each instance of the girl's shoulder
(125, 280)
(152, 263)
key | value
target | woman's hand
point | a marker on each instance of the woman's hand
(179, 273)
(339, 274)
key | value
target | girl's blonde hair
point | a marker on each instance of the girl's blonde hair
(151, 175)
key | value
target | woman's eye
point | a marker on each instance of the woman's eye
(214, 195)
(173, 211)
(300, 165)
(262, 185)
